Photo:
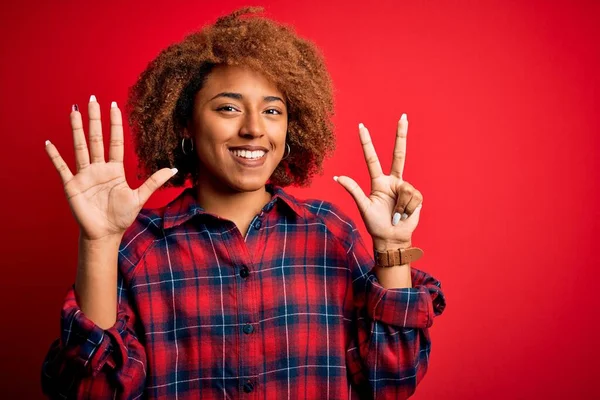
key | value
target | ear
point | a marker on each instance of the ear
(187, 130)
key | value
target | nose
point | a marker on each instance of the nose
(252, 125)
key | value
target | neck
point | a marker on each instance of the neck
(238, 207)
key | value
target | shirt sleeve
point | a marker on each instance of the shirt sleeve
(389, 353)
(90, 362)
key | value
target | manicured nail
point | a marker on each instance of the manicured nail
(74, 107)
(403, 117)
(404, 216)
(360, 126)
(113, 104)
(92, 98)
(47, 142)
(335, 178)
(174, 170)
(396, 219)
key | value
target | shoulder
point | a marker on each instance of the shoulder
(330, 214)
(341, 226)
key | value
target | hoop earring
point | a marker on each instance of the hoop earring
(183, 146)
(287, 146)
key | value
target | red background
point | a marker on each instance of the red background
(502, 98)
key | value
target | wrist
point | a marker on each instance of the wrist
(384, 245)
(102, 241)
(396, 256)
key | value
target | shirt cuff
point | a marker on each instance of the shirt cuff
(86, 344)
(405, 307)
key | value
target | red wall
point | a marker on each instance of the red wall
(502, 98)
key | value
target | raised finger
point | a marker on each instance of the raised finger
(82, 156)
(361, 200)
(96, 144)
(400, 148)
(369, 151)
(60, 164)
(115, 152)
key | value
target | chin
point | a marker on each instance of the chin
(248, 185)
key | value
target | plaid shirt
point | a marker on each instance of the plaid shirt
(290, 311)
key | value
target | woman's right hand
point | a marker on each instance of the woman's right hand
(101, 200)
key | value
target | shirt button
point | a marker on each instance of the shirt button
(244, 273)
(257, 224)
(248, 329)
(248, 387)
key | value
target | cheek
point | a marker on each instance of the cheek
(279, 136)
(205, 144)
(211, 136)
(208, 150)
(279, 147)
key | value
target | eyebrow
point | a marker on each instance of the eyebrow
(238, 96)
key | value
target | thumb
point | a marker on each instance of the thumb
(155, 181)
(361, 200)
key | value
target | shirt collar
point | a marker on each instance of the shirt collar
(184, 207)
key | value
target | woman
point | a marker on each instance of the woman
(236, 288)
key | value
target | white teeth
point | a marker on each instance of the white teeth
(251, 155)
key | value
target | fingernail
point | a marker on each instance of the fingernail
(360, 126)
(113, 104)
(74, 107)
(404, 216)
(47, 142)
(92, 98)
(335, 178)
(403, 117)
(396, 219)
(174, 170)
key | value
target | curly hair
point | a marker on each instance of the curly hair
(161, 102)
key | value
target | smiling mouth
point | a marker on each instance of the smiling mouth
(249, 155)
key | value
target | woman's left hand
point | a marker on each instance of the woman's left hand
(391, 212)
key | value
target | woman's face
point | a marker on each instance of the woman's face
(239, 125)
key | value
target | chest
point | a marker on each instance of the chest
(206, 278)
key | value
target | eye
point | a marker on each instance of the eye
(227, 108)
(273, 111)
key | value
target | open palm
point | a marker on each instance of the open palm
(100, 198)
(391, 197)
